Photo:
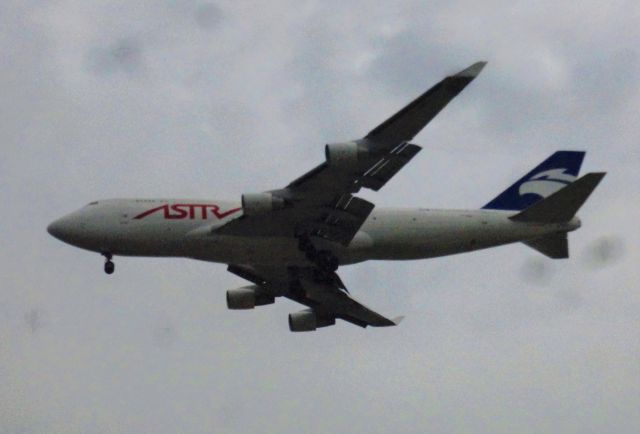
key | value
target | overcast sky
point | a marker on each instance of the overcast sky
(183, 98)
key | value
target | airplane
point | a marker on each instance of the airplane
(289, 242)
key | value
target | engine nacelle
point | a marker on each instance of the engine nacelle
(260, 203)
(247, 297)
(308, 320)
(344, 154)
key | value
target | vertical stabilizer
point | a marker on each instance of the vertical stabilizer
(554, 173)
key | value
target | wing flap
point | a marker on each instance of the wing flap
(386, 168)
(343, 222)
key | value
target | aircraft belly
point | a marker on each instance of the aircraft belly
(147, 240)
(247, 250)
(405, 234)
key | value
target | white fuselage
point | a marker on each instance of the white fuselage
(186, 228)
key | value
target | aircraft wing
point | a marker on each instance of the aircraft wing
(408, 122)
(321, 204)
(327, 296)
(334, 301)
(319, 209)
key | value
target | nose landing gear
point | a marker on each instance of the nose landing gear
(109, 266)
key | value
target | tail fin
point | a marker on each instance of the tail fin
(562, 205)
(554, 173)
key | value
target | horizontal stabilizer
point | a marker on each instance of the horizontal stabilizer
(555, 246)
(562, 205)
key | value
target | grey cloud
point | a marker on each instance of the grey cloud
(537, 271)
(124, 55)
(34, 319)
(208, 16)
(147, 99)
(605, 251)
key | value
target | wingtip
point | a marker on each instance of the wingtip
(397, 320)
(472, 71)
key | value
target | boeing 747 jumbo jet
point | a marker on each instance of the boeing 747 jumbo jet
(290, 241)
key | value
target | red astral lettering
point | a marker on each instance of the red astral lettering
(181, 211)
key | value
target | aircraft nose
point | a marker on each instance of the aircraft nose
(78, 229)
(61, 229)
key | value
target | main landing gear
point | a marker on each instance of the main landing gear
(109, 266)
(324, 259)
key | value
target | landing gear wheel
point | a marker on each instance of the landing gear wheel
(324, 259)
(109, 266)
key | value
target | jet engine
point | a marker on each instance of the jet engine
(247, 297)
(344, 154)
(308, 320)
(260, 203)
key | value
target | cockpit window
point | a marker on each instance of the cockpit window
(92, 203)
